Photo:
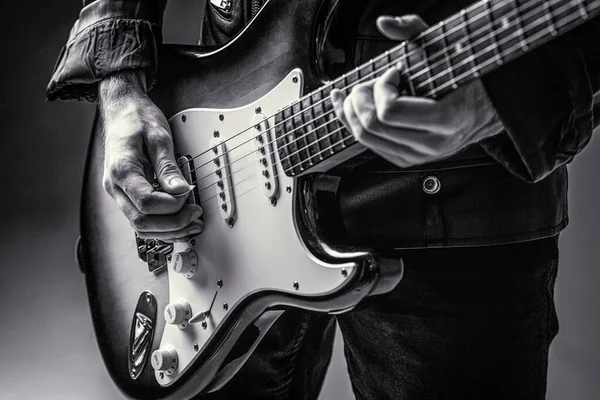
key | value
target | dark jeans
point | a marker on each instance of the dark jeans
(464, 323)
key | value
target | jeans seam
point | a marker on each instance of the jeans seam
(285, 387)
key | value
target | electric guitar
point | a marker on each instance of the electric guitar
(252, 123)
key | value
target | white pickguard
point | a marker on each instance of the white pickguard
(262, 249)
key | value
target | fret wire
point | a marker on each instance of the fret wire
(582, 10)
(307, 118)
(313, 118)
(492, 32)
(299, 128)
(516, 8)
(407, 70)
(447, 55)
(320, 120)
(427, 67)
(550, 19)
(463, 14)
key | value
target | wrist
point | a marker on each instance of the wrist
(488, 121)
(118, 90)
(123, 84)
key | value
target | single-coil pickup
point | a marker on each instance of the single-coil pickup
(223, 185)
(265, 156)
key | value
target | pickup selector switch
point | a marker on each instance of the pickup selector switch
(178, 313)
(164, 360)
(185, 262)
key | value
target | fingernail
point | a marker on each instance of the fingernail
(196, 213)
(195, 230)
(177, 181)
(399, 65)
(190, 188)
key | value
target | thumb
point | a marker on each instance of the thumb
(167, 171)
(400, 28)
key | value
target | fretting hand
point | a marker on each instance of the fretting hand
(138, 144)
(407, 130)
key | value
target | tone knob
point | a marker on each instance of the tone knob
(178, 313)
(185, 262)
(165, 360)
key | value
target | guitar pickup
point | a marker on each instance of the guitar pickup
(223, 185)
(265, 157)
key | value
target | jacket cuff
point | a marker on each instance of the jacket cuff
(544, 100)
(110, 36)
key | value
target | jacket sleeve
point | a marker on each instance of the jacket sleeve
(109, 36)
(547, 101)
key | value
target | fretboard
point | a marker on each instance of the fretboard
(461, 48)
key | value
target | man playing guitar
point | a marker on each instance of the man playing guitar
(471, 187)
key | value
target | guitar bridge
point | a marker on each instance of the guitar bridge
(154, 252)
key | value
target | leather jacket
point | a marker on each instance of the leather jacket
(509, 188)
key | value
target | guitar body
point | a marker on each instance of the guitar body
(260, 254)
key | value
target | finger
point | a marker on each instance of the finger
(400, 28)
(421, 142)
(337, 101)
(185, 234)
(143, 223)
(352, 119)
(160, 150)
(386, 90)
(417, 113)
(147, 200)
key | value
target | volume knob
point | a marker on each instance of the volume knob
(178, 313)
(185, 262)
(165, 360)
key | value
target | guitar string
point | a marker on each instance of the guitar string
(330, 112)
(466, 74)
(306, 147)
(357, 69)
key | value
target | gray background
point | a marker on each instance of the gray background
(47, 346)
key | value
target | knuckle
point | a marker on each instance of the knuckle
(118, 170)
(138, 222)
(382, 110)
(145, 203)
(369, 120)
(166, 166)
(107, 184)
(359, 134)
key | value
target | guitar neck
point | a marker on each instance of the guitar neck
(463, 47)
